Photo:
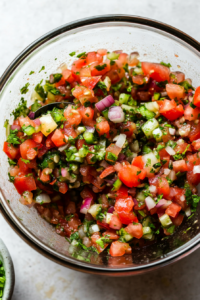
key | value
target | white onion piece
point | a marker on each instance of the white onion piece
(121, 140)
(116, 114)
(167, 171)
(172, 175)
(188, 212)
(180, 142)
(62, 148)
(150, 203)
(152, 188)
(81, 232)
(94, 228)
(172, 131)
(108, 217)
(170, 150)
(87, 242)
(43, 198)
(196, 169)
(182, 198)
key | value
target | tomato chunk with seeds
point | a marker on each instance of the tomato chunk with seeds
(119, 248)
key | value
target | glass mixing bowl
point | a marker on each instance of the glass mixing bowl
(155, 42)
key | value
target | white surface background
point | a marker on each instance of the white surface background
(37, 278)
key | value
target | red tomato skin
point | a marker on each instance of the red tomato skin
(122, 192)
(161, 73)
(194, 132)
(25, 167)
(112, 234)
(103, 127)
(124, 204)
(119, 248)
(90, 82)
(197, 97)
(196, 145)
(58, 138)
(180, 166)
(63, 188)
(128, 175)
(115, 222)
(25, 146)
(23, 183)
(11, 151)
(170, 110)
(127, 218)
(190, 113)
(38, 137)
(138, 162)
(163, 187)
(175, 91)
(135, 230)
(107, 172)
(177, 220)
(173, 210)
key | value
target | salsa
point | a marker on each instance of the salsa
(117, 165)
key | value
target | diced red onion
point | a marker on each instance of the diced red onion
(150, 203)
(51, 78)
(132, 192)
(64, 172)
(121, 157)
(196, 169)
(110, 181)
(163, 203)
(170, 150)
(190, 94)
(121, 140)
(86, 205)
(104, 103)
(160, 213)
(104, 164)
(111, 209)
(116, 114)
(135, 201)
(14, 127)
(31, 115)
(37, 122)
(90, 129)
(172, 131)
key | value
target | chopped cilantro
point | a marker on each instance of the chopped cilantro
(81, 55)
(43, 68)
(72, 53)
(21, 110)
(13, 138)
(25, 89)
(31, 72)
(166, 65)
(101, 67)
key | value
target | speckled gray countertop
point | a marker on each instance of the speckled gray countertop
(21, 22)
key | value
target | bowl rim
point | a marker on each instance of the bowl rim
(79, 266)
(9, 271)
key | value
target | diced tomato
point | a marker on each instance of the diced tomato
(124, 204)
(163, 187)
(90, 82)
(122, 59)
(24, 183)
(69, 131)
(72, 116)
(58, 138)
(194, 132)
(24, 167)
(127, 217)
(135, 230)
(63, 188)
(128, 128)
(164, 156)
(93, 57)
(119, 248)
(191, 114)
(129, 175)
(170, 110)
(177, 220)
(107, 172)
(45, 177)
(177, 77)
(196, 145)
(197, 97)
(192, 178)
(87, 113)
(122, 192)
(78, 64)
(184, 147)
(26, 121)
(102, 52)
(102, 127)
(94, 238)
(138, 162)
(111, 234)
(60, 83)
(115, 150)
(180, 166)
(175, 195)
(173, 210)
(156, 71)
(49, 143)
(79, 143)
(87, 193)
(138, 79)
(38, 137)
(175, 91)
(116, 73)
(68, 76)
(11, 151)
(26, 146)
(98, 69)
(81, 91)
(115, 222)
